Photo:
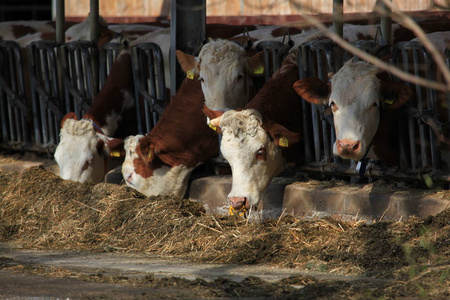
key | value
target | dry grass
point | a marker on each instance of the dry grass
(39, 210)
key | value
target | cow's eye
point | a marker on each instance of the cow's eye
(202, 80)
(261, 154)
(374, 105)
(240, 76)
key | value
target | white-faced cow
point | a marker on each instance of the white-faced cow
(364, 103)
(255, 140)
(225, 71)
(161, 161)
(85, 145)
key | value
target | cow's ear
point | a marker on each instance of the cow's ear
(70, 115)
(395, 94)
(213, 118)
(256, 64)
(282, 136)
(115, 148)
(313, 90)
(188, 64)
(100, 147)
(146, 150)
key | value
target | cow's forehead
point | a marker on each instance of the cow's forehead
(132, 141)
(241, 123)
(355, 82)
(219, 50)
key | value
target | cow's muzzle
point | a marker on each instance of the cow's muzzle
(348, 148)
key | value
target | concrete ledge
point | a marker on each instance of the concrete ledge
(376, 201)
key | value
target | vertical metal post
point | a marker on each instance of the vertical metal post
(386, 23)
(60, 20)
(338, 28)
(187, 33)
(94, 20)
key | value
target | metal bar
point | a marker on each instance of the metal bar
(60, 26)
(94, 31)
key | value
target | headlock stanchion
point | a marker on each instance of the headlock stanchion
(77, 68)
(316, 60)
(150, 87)
(31, 122)
(46, 96)
(419, 150)
(107, 57)
(14, 109)
(414, 59)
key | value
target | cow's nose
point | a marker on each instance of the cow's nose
(238, 202)
(348, 147)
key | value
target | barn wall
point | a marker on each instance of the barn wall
(138, 10)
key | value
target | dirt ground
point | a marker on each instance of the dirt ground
(38, 210)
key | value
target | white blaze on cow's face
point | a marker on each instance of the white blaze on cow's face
(152, 181)
(254, 158)
(224, 75)
(355, 100)
(79, 154)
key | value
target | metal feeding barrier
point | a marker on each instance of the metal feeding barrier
(107, 56)
(45, 89)
(14, 109)
(419, 119)
(150, 87)
(76, 58)
(60, 81)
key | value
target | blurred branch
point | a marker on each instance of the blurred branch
(376, 61)
(410, 24)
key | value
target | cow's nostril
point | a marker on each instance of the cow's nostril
(356, 146)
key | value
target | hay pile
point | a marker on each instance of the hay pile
(39, 210)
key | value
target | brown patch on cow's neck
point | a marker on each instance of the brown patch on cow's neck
(182, 136)
(21, 30)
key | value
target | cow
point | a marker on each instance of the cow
(86, 145)
(162, 161)
(13, 30)
(260, 139)
(364, 103)
(225, 72)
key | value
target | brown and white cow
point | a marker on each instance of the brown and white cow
(86, 145)
(259, 140)
(12, 30)
(162, 161)
(225, 72)
(364, 103)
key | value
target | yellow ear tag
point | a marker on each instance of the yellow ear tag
(241, 212)
(389, 101)
(114, 154)
(259, 70)
(283, 142)
(212, 127)
(150, 155)
(190, 74)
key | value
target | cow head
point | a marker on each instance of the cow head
(225, 72)
(144, 171)
(82, 152)
(254, 151)
(357, 97)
